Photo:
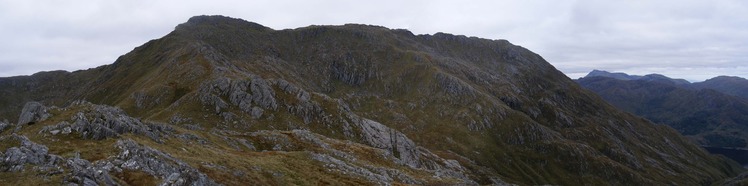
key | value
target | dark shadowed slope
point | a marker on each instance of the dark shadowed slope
(355, 104)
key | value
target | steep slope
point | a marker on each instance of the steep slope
(707, 116)
(483, 111)
(731, 85)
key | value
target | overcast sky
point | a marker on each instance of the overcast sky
(687, 39)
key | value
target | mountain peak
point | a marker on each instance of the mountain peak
(727, 78)
(616, 75)
(736, 86)
(220, 21)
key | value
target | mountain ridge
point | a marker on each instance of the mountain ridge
(499, 111)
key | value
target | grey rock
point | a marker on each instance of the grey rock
(381, 136)
(173, 179)
(247, 144)
(173, 171)
(341, 161)
(33, 112)
(67, 130)
(333, 164)
(263, 94)
(453, 85)
(15, 158)
(256, 112)
(101, 122)
(193, 127)
(188, 138)
(83, 172)
(247, 95)
(4, 125)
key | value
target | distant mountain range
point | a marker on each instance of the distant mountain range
(651, 77)
(713, 113)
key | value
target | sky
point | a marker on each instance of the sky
(689, 39)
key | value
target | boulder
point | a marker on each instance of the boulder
(31, 113)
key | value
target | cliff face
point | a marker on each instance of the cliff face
(228, 101)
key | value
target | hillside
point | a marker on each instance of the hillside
(225, 101)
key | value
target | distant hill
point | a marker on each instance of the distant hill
(731, 85)
(649, 77)
(710, 117)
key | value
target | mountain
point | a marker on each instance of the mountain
(616, 75)
(224, 101)
(731, 85)
(650, 77)
(709, 117)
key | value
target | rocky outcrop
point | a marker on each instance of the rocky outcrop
(132, 156)
(83, 172)
(4, 125)
(251, 95)
(173, 171)
(31, 113)
(25, 152)
(380, 136)
(100, 122)
(336, 158)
